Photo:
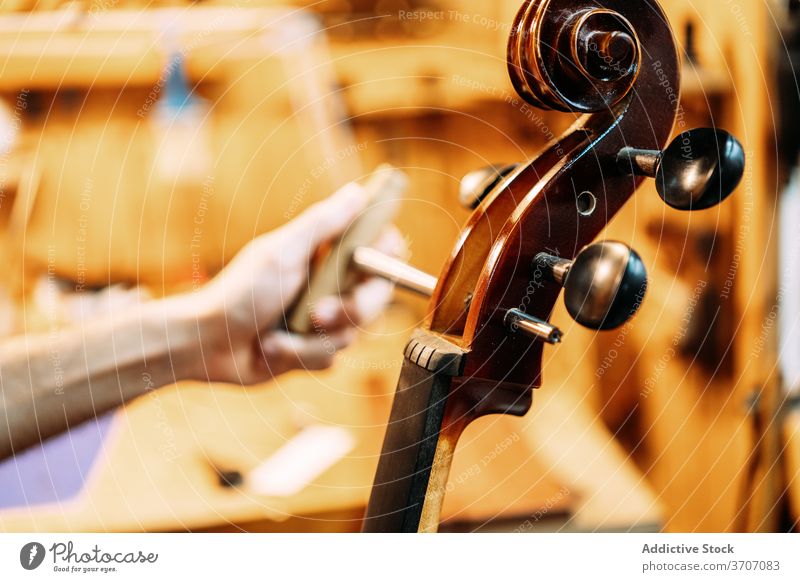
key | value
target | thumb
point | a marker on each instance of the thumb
(325, 220)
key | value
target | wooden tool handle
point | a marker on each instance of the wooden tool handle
(333, 275)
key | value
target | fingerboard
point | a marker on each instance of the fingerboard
(412, 436)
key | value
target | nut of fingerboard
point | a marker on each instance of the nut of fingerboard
(435, 354)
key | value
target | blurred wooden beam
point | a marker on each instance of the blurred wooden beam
(66, 48)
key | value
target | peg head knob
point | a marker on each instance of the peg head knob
(476, 185)
(700, 169)
(605, 285)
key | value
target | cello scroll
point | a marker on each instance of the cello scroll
(614, 64)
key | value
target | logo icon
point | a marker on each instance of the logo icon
(31, 555)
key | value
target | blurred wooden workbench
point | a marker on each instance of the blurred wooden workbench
(158, 468)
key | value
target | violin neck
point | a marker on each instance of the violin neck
(415, 460)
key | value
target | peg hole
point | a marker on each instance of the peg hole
(586, 203)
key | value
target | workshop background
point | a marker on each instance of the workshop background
(125, 124)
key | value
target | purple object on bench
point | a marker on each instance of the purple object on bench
(56, 470)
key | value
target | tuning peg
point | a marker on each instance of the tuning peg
(698, 170)
(476, 185)
(604, 285)
(517, 320)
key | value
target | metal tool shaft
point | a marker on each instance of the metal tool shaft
(372, 262)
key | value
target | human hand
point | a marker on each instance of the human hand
(243, 310)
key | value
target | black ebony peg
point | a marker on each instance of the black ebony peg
(476, 185)
(604, 285)
(698, 170)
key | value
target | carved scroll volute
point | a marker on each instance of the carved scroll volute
(615, 61)
(574, 56)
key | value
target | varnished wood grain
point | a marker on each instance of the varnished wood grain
(539, 201)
